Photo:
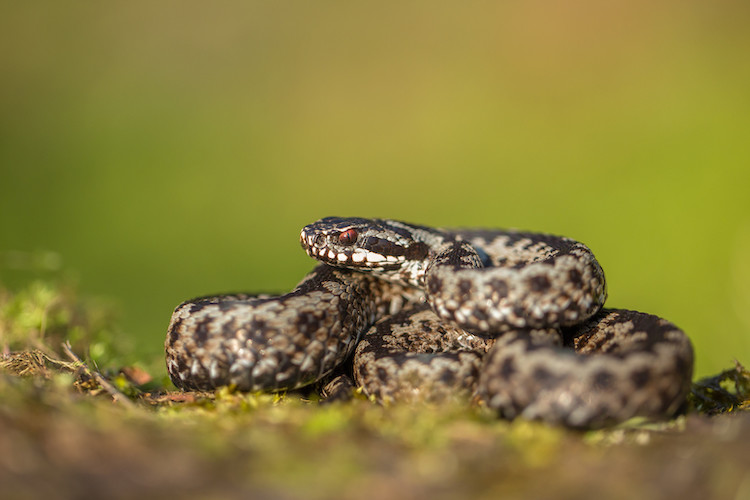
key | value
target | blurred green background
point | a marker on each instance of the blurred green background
(159, 151)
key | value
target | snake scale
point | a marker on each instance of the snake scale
(513, 319)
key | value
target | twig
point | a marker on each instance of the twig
(116, 395)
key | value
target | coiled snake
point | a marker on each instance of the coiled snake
(513, 318)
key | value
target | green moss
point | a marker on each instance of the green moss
(43, 314)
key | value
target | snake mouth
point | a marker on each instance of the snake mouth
(329, 248)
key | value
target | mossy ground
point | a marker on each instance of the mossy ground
(105, 428)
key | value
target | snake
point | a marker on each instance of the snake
(514, 320)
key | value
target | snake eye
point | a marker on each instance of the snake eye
(348, 237)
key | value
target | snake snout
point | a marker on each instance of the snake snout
(310, 240)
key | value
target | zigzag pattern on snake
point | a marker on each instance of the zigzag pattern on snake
(513, 318)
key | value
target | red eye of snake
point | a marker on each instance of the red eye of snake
(348, 237)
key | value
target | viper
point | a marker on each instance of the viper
(514, 318)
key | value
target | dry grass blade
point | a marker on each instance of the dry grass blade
(117, 396)
(33, 363)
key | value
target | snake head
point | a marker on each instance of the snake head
(357, 243)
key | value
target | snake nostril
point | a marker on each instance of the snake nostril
(320, 240)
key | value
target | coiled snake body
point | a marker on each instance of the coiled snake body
(514, 318)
